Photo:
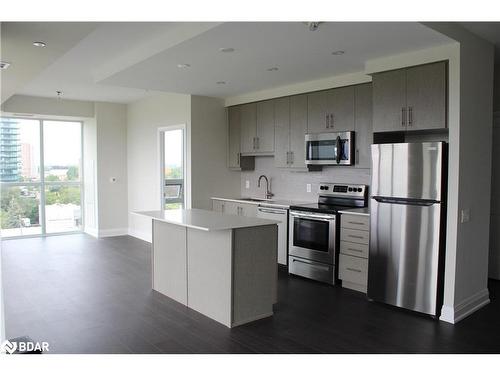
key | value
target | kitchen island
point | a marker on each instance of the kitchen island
(223, 266)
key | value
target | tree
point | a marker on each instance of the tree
(72, 173)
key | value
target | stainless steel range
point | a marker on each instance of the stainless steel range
(314, 230)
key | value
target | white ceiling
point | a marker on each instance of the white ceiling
(27, 61)
(118, 62)
(486, 30)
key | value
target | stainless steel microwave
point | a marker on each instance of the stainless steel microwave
(330, 148)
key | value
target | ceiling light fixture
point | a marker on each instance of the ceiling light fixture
(39, 44)
(183, 66)
(226, 49)
(273, 69)
(4, 65)
(337, 53)
(221, 82)
(313, 26)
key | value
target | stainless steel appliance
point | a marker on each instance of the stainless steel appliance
(280, 215)
(407, 220)
(314, 228)
(330, 148)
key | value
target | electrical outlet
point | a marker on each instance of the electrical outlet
(465, 215)
(247, 184)
(308, 188)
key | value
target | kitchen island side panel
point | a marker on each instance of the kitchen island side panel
(254, 273)
(169, 260)
(210, 273)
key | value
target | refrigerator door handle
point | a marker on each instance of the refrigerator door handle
(412, 202)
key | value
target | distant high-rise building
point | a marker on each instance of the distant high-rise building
(10, 150)
(27, 161)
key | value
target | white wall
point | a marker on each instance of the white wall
(209, 144)
(111, 120)
(144, 117)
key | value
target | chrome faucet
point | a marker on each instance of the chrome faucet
(269, 195)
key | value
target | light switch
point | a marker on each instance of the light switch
(465, 215)
(247, 184)
(308, 188)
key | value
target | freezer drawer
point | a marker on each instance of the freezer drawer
(407, 170)
(404, 255)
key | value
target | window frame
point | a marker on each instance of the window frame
(42, 184)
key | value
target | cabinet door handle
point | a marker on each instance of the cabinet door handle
(353, 269)
(223, 206)
(356, 250)
(258, 142)
(327, 121)
(291, 157)
(254, 143)
(332, 124)
(403, 117)
(410, 116)
(356, 222)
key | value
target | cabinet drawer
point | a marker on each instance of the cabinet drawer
(354, 235)
(352, 248)
(360, 222)
(353, 269)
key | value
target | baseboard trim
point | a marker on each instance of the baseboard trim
(113, 232)
(145, 236)
(92, 231)
(454, 314)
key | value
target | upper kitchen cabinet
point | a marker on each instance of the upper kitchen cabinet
(290, 124)
(389, 101)
(257, 128)
(363, 124)
(426, 96)
(265, 127)
(410, 99)
(248, 113)
(331, 110)
(234, 125)
(341, 108)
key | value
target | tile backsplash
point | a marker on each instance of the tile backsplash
(288, 184)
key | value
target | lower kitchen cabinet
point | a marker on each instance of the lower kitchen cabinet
(353, 258)
(234, 208)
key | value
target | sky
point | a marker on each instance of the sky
(62, 141)
(173, 148)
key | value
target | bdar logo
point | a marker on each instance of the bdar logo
(8, 347)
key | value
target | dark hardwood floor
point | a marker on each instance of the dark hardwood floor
(84, 295)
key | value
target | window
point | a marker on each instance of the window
(40, 176)
(172, 167)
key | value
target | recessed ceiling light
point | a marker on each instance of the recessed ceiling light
(4, 65)
(183, 66)
(273, 69)
(226, 49)
(39, 44)
(221, 82)
(59, 93)
(336, 53)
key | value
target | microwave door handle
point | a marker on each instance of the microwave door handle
(339, 152)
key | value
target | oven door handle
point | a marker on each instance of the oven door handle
(312, 216)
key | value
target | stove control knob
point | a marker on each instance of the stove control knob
(350, 189)
(323, 187)
(360, 190)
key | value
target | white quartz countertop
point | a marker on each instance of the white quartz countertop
(204, 219)
(356, 211)
(276, 203)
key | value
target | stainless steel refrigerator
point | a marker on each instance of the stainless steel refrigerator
(407, 221)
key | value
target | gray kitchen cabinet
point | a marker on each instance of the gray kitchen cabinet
(264, 132)
(389, 101)
(363, 125)
(317, 112)
(340, 106)
(410, 99)
(290, 129)
(234, 125)
(234, 208)
(426, 96)
(282, 132)
(298, 131)
(248, 120)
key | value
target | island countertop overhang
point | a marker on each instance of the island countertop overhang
(204, 219)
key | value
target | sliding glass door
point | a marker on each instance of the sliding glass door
(40, 177)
